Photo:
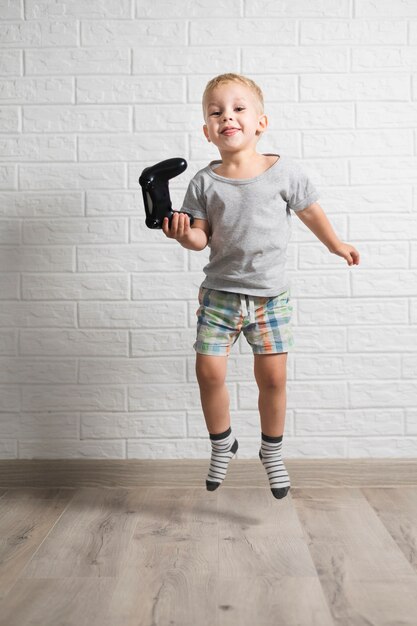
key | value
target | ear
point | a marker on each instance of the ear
(205, 131)
(262, 124)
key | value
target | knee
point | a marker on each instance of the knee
(272, 381)
(209, 375)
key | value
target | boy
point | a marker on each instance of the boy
(241, 208)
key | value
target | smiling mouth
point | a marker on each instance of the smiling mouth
(230, 131)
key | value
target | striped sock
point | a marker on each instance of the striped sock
(223, 448)
(270, 455)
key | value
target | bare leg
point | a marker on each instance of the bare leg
(271, 377)
(211, 376)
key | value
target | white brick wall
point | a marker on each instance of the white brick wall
(97, 313)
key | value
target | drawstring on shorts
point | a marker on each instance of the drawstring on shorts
(245, 307)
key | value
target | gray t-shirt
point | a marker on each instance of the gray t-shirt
(250, 224)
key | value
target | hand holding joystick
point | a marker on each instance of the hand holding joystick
(155, 189)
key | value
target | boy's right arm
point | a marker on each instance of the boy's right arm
(193, 237)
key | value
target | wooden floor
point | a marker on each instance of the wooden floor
(165, 556)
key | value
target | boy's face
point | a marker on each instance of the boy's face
(233, 118)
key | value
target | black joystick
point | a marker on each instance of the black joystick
(154, 183)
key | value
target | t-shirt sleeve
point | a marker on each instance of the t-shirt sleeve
(194, 202)
(301, 191)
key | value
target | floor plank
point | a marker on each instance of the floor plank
(161, 556)
(26, 518)
(356, 559)
(397, 509)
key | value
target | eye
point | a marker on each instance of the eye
(240, 108)
(215, 113)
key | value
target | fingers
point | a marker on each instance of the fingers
(352, 257)
(180, 225)
(165, 227)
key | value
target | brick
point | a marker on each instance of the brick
(168, 117)
(166, 60)
(411, 421)
(372, 394)
(373, 447)
(132, 425)
(149, 343)
(10, 233)
(243, 32)
(39, 259)
(8, 342)
(38, 34)
(100, 203)
(78, 61)
(391, 115)
(10, 398)
(130, 32)
(409, 363)
(123, 89)
(380, 171)
(71, 449)
(300, 394)
(131, 370)
(8, 177)
(363, 86)
(348, 366)
(74, 342)
(31, 148)
(357, 143)
(352, 311)
(132, 315)
(74, 287)
(321, 339)
(309, 284)
(94, 9)
(297, 8)
(77, 231)
(40, 425)
(383, 339)
(60, 119)
(128, 147)
(163, 397)
(72, 176)
(36, 90)
(173, 449)
(291, 59)
(395, 283)
(9, 286)
(37, 371)
(174, 286)
(187, 9)
(157, 258)
(367, 199)
(353, 32)
(37, 314)
(9, 119)
(392, 227)
(73, 398)
(349, 423)
(387, 58)
(382, 8)
(40, 204)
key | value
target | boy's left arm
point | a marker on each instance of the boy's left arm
(315, 219)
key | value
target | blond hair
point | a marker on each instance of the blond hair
(234, 78)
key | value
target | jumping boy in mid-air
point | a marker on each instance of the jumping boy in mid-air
(241, 207)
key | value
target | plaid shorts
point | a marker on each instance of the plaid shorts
(222, 315)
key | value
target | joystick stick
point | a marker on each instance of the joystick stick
(155, 189)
